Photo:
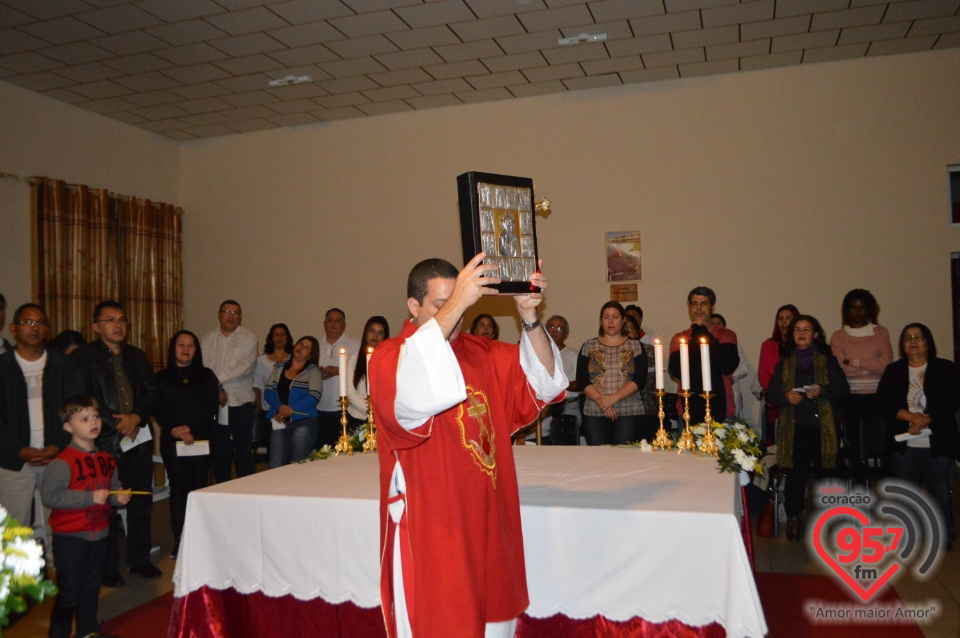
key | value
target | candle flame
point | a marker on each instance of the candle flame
(703, 340)
(656, 341)
(370, 350)
(343, 351)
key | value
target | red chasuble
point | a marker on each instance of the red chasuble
(462, 504)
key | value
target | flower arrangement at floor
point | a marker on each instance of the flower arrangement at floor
(21, 569)
(740, 449)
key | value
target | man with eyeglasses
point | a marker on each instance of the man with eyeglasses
(34, 381)
(328, 421)
(562, 426)
(231, 352)
(120, 378)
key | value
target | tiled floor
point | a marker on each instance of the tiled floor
(771, 555)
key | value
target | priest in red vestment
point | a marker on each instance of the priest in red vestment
(446, 404)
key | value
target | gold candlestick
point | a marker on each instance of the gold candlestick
(708, 444)
(344, 445)
(662, 440)
(686, 439)
(370, 442)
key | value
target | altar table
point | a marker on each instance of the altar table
(609, 533)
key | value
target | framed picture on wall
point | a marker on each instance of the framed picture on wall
(496, 217)
(622, 255)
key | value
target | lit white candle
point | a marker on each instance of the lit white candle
(684, 365)
(369, 354)
(705, 364)
(658, 362)
(343, 372)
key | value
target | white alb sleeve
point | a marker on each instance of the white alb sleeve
(429, 379)
(548, 384)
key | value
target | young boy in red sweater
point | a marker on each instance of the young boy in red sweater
(77, 488)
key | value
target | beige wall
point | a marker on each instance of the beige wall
(42, 136)
(787, 185)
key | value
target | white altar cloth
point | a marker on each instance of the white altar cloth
(607, 531)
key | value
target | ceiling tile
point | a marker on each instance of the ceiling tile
(833, 53)
(152, 98)
(906, 45)
(88, 72)
(576, 53)
(130, 43)
(140, 63)
(420, 38)
(214, 130)
(147, 81)
(28, 62)
(342, 113)
(706, 37)
(197, 91)
(849, 18)
(181, 136)
(249, 98)
(433, 101)
(788, 8)
(355, 66)
(699, 69)
(99, 90)
(615, 30)
(341, 100)
(192, 54)
(513, 62)
(493, 80)
(181, 9)
(14, 41)
(10, 17)
(64, 95)
(257, 124)
(237, 5)
(358, 47)
(408, 59)
(196, 73)
(292, 106)
(669, 23)
(247, 44)
(385, 108)
(307, 34)
(770, 28)
(296, 92)
(247, 21)
(294, 119)
(369, 24)
(892, 31)
(651, 75)
(203, 119)
(553, 72)
(255, 82)
(108, 105)
(162, 126)
(738, 13)
(930, 26)
(556, 18)
(118, 19)
(804, 41)
(42, 81)
(46, 9)
(391, 93)
(530, 42)
(440, 87)
(488, 28)
(187, 32)
(612, 65)
(469, 51)
(247, 112)
(676, 6)
(76, 53)
(921, 9)
(593, 82)
(737, 50)
(623, 9)
(771, 61)
(303, 11)
(645, 44)
(493, 8)
(672, 58)
(347, 85)
(456, 69)
(541, 88)
(948, 41)
(62, 30)
(435, 14)
(305, 55)
(405, 76)
(249, 64)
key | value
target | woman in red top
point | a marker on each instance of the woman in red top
(772, 350)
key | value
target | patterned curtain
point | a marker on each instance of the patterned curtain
(93, 245)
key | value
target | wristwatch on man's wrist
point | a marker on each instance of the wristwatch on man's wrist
(529, 326)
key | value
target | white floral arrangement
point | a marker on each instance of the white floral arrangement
(740, 449)
(21, 569)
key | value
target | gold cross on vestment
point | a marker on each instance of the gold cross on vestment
(476, 409)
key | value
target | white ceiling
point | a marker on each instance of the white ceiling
(200, 68)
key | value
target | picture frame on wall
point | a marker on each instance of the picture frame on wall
(622, 255)
(497, 217)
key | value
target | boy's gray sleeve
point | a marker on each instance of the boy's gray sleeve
(55, 492)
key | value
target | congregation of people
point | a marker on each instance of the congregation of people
(832, 408)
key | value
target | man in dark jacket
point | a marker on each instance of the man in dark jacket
(119, 376)
(34, 381)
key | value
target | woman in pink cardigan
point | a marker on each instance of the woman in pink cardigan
(863, 349)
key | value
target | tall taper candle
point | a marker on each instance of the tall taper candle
(343, 372)
(684, 365)
(705, 365)
(369, 354)
(658, 362)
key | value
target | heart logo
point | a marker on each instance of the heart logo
(864, 594)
